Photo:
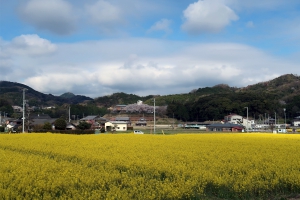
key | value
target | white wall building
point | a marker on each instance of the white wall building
(233, 119)
(116, 126)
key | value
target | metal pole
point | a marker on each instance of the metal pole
(173, 121)
(69, 113)
(275, 121)
(247, 119)
(23, 125)
(284, 119)
(154, 118)
(0, 119)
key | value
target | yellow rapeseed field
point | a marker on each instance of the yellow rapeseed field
(128, 166)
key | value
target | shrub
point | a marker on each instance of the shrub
(47, 126)
(60, 124)
(84, 125)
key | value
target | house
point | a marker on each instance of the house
(141, 122)
(96, 121)
(40, 119)
(226, 127)
(17, 108)
(116, 126)
(233, 119)
(70, 126)
(237, 119)
(124, 119)
(119, 108)
(196, 125)
(296, 121)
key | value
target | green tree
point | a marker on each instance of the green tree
(60, 124)
(47, 126)
(83, 125)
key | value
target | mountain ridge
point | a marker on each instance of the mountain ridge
(284, 85)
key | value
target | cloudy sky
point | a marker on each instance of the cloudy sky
(99, 47)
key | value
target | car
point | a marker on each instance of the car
(138, 132)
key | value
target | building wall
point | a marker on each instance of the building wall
(234, 119)
(296, 123)
(118, 127)
(121, 127)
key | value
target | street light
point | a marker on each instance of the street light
(247, 119)
(284, 119)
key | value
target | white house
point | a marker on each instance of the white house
(17, 108)
(233, 119)
(296, 121)
(116, 126)
(237, 119)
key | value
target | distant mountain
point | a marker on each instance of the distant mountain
(199, 104)
(13, 93)
(67, 95)
(120, 98)
(75, 99)
(280, 95)
(285, 87)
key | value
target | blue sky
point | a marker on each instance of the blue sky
(99, 47)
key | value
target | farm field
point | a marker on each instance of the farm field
(128, 166)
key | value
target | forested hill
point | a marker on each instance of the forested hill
(12, 92)
(198, 105)
(120, 98)
(216, 102)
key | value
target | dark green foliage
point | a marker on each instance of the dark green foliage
(89, 109)
(13, 92)
(77, 132)
(67, 95)
(83, 125)
(6, 107)
(60, 124)
(47, 126)
(120, 98)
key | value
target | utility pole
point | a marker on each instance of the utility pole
(284, 119)
(265, 118)
(275, 121)
(173, 121)
(154, 117)
(69, 113)
(247, 119)
(24, 102)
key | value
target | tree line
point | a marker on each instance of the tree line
(216, 106)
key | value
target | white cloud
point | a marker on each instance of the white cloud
(162, 25)
(105, 15)
(56, 16)
(137, 65)
(207, 16)
(30, 45)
